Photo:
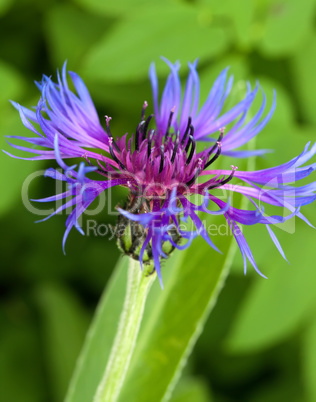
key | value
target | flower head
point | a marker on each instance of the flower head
(161, 165)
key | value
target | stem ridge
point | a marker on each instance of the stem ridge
(138, 285)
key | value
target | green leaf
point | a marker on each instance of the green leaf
(138, 285)
(5, 6)
(92, 360)
(11, 83)
(277, 307)
(65, 26)
(121, 7)
(64, 325)
(21, 376)
(125, 52)
(309, 358)
(12, 87)
(287, 24)
(304, 78)
(242, 13)
(191, 389)
(22, 171)
(175, 318)
(239, 14)
(279, 389)
(171, 325)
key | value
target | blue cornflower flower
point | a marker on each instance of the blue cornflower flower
(161, 166)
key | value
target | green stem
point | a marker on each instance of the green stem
(138, 285)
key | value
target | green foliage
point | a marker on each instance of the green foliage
(287, 24)
(4, 6)
(64, 324)
(11, 83)
(167, 334)
(122, 7)
(259, 342)
(9, 125)
(99, 339)
(20, 361)
(191, 389)
(114, 51)
(309, 358)
(302, 65)
(71, 31)
(263, 318)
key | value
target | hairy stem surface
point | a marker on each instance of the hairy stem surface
(138, 285)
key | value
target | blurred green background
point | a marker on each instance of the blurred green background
(260, 341)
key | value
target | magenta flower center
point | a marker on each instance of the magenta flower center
(155, 162)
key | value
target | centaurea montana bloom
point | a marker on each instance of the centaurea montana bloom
(161, 166)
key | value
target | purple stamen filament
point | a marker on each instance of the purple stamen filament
(155, 151)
